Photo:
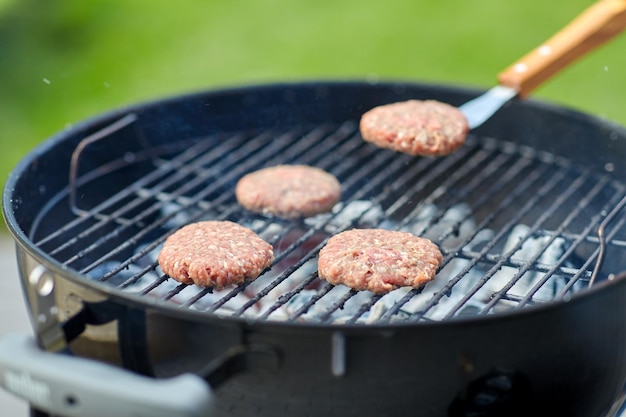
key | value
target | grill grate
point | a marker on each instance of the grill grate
(516, 225)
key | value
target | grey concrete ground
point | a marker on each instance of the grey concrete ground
(13, 316)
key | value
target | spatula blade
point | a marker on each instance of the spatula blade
(596, 25)
(478, 110)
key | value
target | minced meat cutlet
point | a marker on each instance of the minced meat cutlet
(378, 260)
(416, 127)
(215, 254)
(288, 191)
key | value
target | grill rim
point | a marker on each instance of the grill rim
(117, 295)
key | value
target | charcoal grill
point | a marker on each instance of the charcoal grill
(495, 185)
(528, 215)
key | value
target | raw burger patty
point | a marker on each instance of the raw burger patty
(378, 260)
(288, 191)
(428, 128)
(215, 254)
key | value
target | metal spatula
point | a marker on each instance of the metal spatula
(596, 25)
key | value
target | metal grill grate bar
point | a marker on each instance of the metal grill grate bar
(78, 221)
(558, 201)
(472, 203)
(178, 171)
(140, 190)
(533, 177)
(143, 196)
(471, 162)
(304, 145)
(584, 202)
(546, 189)
(434, 172)
(351, 185)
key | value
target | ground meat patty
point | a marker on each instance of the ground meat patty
(428, 128)
(378, 260)
(215, 254)
(288, 191)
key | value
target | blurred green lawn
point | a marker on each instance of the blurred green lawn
(63, 61)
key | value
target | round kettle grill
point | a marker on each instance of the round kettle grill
(526, 314)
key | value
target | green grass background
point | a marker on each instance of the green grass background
(64, 60)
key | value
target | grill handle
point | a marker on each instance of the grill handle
(68, 385)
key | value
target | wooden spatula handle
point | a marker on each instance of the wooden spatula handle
(596, 25)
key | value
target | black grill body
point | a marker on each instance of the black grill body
(92, 204)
